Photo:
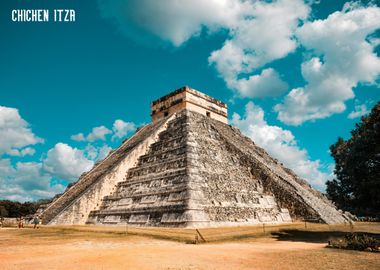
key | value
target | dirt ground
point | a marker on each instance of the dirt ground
(57, 248)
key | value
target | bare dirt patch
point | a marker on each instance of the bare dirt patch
(103, 248)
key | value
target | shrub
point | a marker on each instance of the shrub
(355, 241)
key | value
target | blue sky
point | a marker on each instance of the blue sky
(296, 75)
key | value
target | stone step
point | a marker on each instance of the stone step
(172, 164)
(167, 144)
(146, 193)
(156, 209)
(158, 176)
(162, 156)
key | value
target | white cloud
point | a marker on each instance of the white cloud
(30, 176)
(281, 144)
(173, 21)
(265, 35)
(98, 133)
(15, 132)
(78, 137)
(258, 33)
(121, 128)
(268, 83)
(96, 153)
(5, 168)
(65, 162)
(28, 151)
(359, 111)
(21, 153)
(23, 181)
(343, 57)
(26, 181)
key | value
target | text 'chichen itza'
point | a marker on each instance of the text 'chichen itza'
(189, 168)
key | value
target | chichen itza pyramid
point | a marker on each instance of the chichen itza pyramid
(189, 168)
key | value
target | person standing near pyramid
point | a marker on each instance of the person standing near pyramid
(36, 222)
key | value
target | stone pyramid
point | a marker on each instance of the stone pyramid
(189, 168)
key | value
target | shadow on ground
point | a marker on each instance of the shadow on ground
(314, 237)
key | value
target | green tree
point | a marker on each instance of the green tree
(3, 211)
(357, 184)
(17, 209)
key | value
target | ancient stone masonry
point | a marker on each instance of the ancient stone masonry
(231, 194)
(190, 99)
(155, 192)
(74, 206)
(190, 169)
(291, 192)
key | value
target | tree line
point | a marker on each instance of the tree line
(17, 209)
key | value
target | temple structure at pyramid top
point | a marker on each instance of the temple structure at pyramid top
(189, 99)
(189, 168)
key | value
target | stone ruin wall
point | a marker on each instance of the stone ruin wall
(291, 192)
(187, 98)
(169, 105)
(78, 210)
(157, 183)
(156, 191)
(231, 194)
(205, 109)
(181, 182)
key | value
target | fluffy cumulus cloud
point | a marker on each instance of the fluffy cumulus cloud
(15, 133)
(281, 144)
(121, 128)
(265, 35)
(26, 181)
(343, 56)
(267, 83)
(78, 137)
(66, 162)
(98, 133)
(258, 33)
(21, 181)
